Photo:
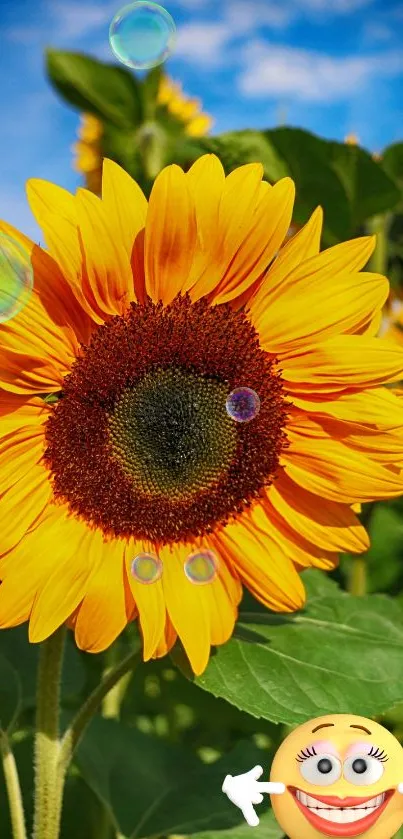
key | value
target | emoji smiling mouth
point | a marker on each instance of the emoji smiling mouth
(335, 816)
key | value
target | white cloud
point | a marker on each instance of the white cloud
(331, 7)
(202, 42)
(299, 74)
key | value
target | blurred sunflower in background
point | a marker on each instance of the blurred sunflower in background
(117, 445)
(170, 101)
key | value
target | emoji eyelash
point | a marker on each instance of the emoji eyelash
(305, 753)
(378, 753)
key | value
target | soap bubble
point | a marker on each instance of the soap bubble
(201, 567)
(146, 568)
(142, 35)
(242, 404)
(16, 277)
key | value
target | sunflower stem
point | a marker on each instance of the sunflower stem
(358, 576)
(75, 731)
(379, 225)
(111, 705)
(13, 788)
(48, 790)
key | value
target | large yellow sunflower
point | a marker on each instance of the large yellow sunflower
(143, 320)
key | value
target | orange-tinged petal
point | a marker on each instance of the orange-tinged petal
(126, 210)
(167, 641)
(343, 361)
(170, 237)
(108, 603)
(329, 525)
(206, 180)
(16, 412)
(54, 292)
(330, 469)
(107, 274)
(149, 600)
(262, 238)
(19, 451)
(22, 504)
(266, 571)
(378, 406)
(289, 320)
(20, 373)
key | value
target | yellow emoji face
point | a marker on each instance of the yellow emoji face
(341, 774)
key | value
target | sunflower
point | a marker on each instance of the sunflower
(130, 490)
(188, 111)
(88, 152)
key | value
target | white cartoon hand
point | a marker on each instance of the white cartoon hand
(400, 788)
(245, 790)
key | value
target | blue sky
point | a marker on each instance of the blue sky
(331, 66)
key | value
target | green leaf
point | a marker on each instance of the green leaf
(267, 829)
(10, 693)
(392, 162)
(238, 147)
(329, 658)
(307, 159)
(23, 658)
(369, 189)
(109, 92)
(384, 557)
(153, 788)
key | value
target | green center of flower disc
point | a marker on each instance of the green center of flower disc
(172, 434)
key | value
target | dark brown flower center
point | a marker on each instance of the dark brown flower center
(141, 443)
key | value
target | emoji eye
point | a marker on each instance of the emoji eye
(362, 769)
(321, 769)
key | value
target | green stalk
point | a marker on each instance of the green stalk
(379, 225)
(13, 788)
(85, 714)
(48, 790)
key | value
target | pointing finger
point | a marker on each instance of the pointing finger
(256, 798)
(249, 814)
(256, 772)
(272, 787)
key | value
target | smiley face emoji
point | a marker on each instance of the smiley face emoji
(341, 774)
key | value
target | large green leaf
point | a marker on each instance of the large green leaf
(238, 147)
(392, 162)
(267, 829)
(307, 159)
(329, 658)
(152, 788)
(369, 189)
(108, 91)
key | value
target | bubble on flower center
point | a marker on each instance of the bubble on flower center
(201, 567)
(16, 277)
(142, 35)
(243, 404)
(146, 568)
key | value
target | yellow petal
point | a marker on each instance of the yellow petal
(170, 237)
(149, 600)
(19, 451)
(330, 469)
(308, 310)
(329, 525)
(22, 504)
(378, 406)
(262, 566)
(126, 210)
(343, 361)
(262, 237)
(107, 605)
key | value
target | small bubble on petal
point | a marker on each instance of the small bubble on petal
(201, 567)
(146, 568)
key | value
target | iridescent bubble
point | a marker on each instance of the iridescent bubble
(243, 404)
(146, 568)
(142, 35)
(16, 277)
(201, 567)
